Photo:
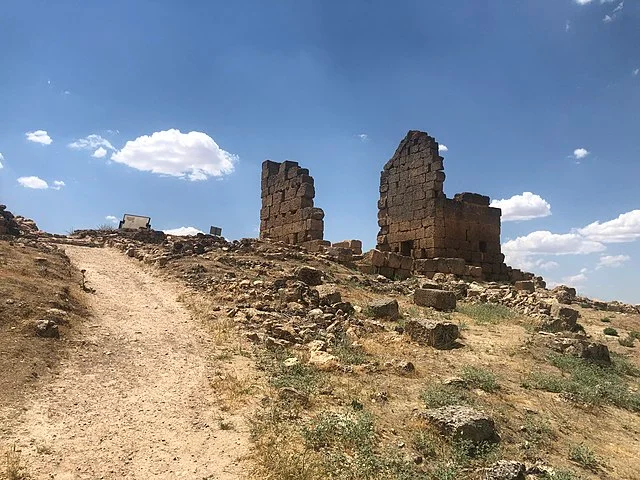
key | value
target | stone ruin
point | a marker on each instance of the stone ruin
(421, 230)
(287, 213)
(459, 235)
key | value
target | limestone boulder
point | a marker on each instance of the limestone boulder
(506, 470)
(440, 335)
(463, 423)
(384, 308)
(47, 329)
(438, 299)
(309, 275)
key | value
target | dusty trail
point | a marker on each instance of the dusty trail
(132, 401)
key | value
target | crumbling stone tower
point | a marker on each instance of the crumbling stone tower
(287, 212)
(416, 218)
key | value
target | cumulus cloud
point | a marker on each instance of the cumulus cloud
(363, 136)
(183, 231)
(612, 261)
(583, 2)
(578, 279)
(443, 148)
(194, 155)
(1, 160)
(111, 218)
(58, 184)
(522, 251)
(543, 242)
(580, 153)
(523, 207)
(33, 182)
(99, 153)
(92, 142)
(39, 136)
(625, 228)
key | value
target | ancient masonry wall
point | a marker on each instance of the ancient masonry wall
(416, 219)
(287, 213)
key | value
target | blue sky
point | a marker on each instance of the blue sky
(537, 96)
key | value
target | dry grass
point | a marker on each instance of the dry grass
(13, 468)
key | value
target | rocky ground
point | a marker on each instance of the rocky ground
(348, 375)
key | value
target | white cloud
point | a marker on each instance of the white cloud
(363, 136)
(580, 153)
(33, 182)
(92, 142)
(593, 238)
(612, 261)
(619, 7)
(39, 136)
(99, 153)
(608, 19)
(1, 159)
(443, 148)
(583, 2)
(183, 231)
(635, 72)
(578, 279)
(58, 184)
(194, 155)
(567, 26)
(625, 228)
(523, 207)
(543, 242)
(111, 218)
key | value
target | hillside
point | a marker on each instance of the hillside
(320, 375)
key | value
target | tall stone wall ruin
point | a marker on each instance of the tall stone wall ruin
(416, 219)
(287, 213)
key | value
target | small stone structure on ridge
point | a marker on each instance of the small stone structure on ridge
(287, 213)
(417, 220)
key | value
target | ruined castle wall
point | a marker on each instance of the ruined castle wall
(410, 183)
(416, 219)
(287, 212)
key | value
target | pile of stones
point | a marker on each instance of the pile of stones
(15, 225)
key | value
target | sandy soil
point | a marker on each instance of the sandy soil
(133, 399)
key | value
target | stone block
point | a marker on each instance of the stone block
(384, 308)
(525, 286)
(440, 335)
(438, 299)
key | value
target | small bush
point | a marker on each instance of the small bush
(348, 430)
(480, 378)
(588, 383)
(348, 353)
(605, 319)
(436, 396)
(537, 434)
(486, 312)
(627, 341)
(610, 331)
(426, 444)
(635, 334)
(561, 475)
(14, 469)
(584, 456)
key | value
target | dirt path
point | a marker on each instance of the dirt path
(132, 401)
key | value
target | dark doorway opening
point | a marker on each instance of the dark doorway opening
(406, 248)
